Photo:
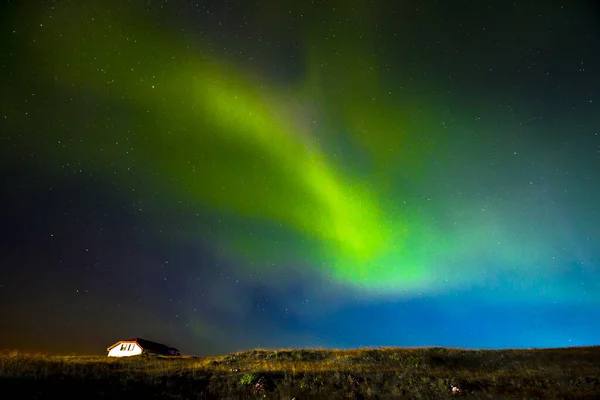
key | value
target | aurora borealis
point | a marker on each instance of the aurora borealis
(221, 176)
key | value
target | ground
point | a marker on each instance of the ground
(382, 373)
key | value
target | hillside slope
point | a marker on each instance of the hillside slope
(383, 373)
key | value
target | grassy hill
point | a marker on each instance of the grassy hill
(383, 373)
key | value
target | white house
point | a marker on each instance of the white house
(137, 346)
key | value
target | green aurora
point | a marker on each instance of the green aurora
(209, 134)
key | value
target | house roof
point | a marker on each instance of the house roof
(146, 345)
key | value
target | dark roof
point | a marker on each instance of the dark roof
(146, 345)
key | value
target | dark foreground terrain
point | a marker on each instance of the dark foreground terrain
(385, 373)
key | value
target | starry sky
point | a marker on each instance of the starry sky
(227, 175)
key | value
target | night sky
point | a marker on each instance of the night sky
(226, 175)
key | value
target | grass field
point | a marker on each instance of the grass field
(382, 373)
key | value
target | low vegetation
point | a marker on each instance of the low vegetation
(383, 373)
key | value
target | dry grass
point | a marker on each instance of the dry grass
(383, 373)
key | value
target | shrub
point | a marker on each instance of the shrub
(249, 379)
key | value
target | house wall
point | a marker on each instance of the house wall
(130, 349)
